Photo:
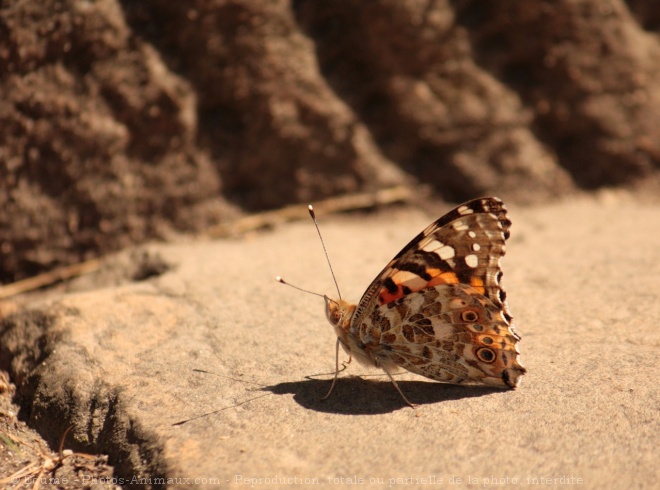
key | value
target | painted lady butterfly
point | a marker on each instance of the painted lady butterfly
(438, 309)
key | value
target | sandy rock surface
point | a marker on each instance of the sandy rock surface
(217, 343)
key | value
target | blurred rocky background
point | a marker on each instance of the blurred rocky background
(125, 121)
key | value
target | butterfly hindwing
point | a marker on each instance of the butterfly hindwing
(448, 333)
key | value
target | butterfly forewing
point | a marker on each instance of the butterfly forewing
(464, 246)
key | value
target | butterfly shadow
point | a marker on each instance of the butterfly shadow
(354, 395)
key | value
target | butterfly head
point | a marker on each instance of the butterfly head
(339, 313)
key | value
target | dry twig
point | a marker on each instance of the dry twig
(348, 202)
(49, 278)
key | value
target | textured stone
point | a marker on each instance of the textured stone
(120, 364)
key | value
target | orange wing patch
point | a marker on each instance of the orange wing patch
(442, 278)
(478, 284)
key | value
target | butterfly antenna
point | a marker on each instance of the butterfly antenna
(279, 279)
(325, 251)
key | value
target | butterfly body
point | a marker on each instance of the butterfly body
(438, 308)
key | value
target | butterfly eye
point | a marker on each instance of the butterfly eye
(486, 355)
(332, 312)
(469, 316)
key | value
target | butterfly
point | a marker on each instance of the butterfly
(438, 309)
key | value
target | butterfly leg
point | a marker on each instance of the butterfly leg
(334, 380)
(412, 405)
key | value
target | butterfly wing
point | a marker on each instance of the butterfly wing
(464, 246)
(438, 308)
(448, 333)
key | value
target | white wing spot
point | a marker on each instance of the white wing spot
(476, 247)
(432, 246)
(446, 252)
(472, 260)
(464, 210)
(460, 226)
(472, 234)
